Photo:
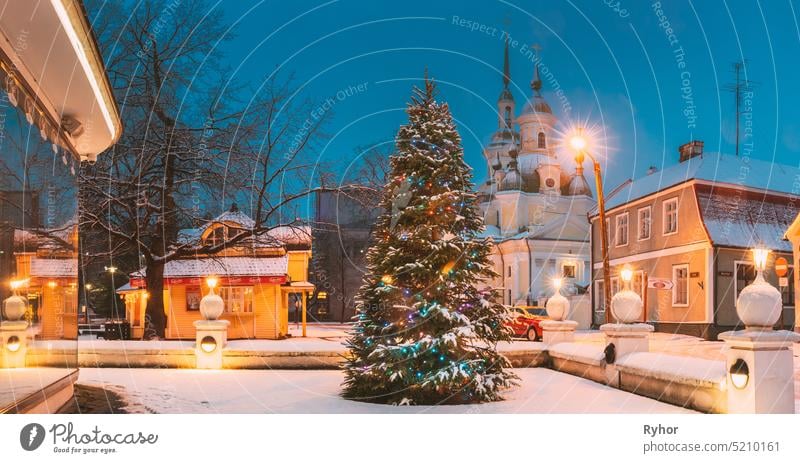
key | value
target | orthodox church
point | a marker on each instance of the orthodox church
(535, 208)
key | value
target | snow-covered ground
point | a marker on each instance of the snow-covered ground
(317, 391)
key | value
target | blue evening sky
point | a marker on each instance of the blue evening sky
(613, 61)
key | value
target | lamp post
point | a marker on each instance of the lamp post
(211, 334)
(759, 359)
(112, 270)
(558, 329)
(579, 143)
(13, 328)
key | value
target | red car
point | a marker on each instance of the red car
(526, 322)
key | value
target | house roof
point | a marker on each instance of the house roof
(54, 268)
(712, 167)
(224, 266)
(746, 221)
(275, 237)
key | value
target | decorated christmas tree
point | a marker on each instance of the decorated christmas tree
(426, 324)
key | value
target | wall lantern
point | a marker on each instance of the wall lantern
(208, 344)
(740, 374)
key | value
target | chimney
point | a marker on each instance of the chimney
(690, 150)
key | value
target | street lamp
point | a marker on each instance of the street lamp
(759, 304)
(579, 143)
(557, 306)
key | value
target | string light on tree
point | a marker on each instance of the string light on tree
(439, 346)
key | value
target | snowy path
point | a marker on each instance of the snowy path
(316, 391)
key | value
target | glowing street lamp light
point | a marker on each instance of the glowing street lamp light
(579, 143)
(760, 259)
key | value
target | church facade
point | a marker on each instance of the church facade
(535, 208)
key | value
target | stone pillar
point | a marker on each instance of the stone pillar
(14, 343)
(627, 337)
(760, 370)
(211, 337)
(554, 332)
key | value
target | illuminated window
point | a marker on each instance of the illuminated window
(569, 270)
(237, 298)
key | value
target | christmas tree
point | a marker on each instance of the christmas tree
(424, 332)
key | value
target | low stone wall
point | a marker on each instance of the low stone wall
(580, 359)
(698, 384)
(247, 355)
(688, 382)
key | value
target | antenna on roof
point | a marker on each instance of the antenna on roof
(742, 85)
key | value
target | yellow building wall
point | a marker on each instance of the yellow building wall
(268, 320)
(298, 265)
(58, 314)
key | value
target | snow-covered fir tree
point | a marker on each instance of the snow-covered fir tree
(425, 333)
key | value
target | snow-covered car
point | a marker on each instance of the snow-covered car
(526, 322)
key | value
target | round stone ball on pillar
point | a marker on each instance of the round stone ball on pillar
(14, 308)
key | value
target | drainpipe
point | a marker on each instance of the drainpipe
(502, 271)
(530, 270)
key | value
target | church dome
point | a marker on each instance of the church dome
(578, 186)
(530, 162)
(512, 180)
(537, 105)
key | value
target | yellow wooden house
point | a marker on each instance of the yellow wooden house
(257, 281)
(47, 267)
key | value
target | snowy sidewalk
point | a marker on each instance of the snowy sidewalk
(317, 391)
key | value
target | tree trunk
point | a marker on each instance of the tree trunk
(155, 320)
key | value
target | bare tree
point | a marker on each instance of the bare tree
(190, 143)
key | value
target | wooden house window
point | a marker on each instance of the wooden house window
(622, 229)
(787, 292)
(216, 236)
(680, 289)
(645, 219)
(599, 296)
(237, 299)
(671, 216)
(193, 297)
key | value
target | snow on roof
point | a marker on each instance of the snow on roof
(225, 266)
(126, 288)
(54, 268)
(747, 222)
(236, 217)
(712, 167)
